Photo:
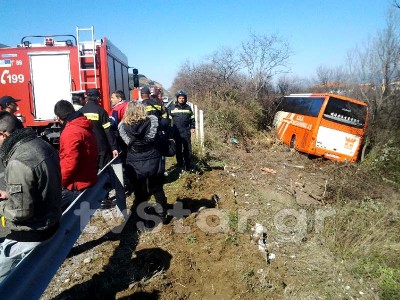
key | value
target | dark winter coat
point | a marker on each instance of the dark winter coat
(154, 107)
(106, 141)
(143, 155)
(33, 179)
(182, 119)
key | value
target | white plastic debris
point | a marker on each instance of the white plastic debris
(259, 236)
(271, 256)
(87, 260)
(234, 192)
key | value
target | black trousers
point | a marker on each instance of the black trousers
(144, 188)
(183, 151)
(103, 159)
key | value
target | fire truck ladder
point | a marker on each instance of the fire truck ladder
(86, 50)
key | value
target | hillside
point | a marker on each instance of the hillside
(209, 253)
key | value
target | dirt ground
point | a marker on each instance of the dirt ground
(208, 251)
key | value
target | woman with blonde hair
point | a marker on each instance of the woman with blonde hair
(145, 165)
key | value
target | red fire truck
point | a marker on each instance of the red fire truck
(40, 74)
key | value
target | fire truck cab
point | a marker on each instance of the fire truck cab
(40, 74)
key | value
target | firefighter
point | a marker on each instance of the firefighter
(153, 106)
(106, 141)
(9, 104)
(183, 123)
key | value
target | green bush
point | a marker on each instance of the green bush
(229, 119)
(384, 159)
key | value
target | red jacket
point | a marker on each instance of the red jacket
(117, 113)
(78, 154)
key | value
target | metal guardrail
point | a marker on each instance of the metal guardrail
(33, 274)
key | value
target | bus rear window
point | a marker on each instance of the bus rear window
(345, 112)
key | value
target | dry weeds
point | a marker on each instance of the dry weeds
(315, 257)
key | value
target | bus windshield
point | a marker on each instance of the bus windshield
(345, 112)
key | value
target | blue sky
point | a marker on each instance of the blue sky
(159, 35)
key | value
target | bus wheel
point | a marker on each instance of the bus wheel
(292, 143)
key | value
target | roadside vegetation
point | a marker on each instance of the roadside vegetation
(354, 255)
(239, 90)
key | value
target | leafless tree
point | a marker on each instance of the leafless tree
(225, 67)
(330, 80)
(289, 84)
(263, 58)
(324, 75)
(375, 70)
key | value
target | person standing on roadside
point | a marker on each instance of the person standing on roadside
(106, 143)
(77, 100)
(183, 123)
(31, 205)
(118, 104)
(159, 96)
(78, 152)
(145, 165)
(9, 104)
(153, 106)
(105, 137)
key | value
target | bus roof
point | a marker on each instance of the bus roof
(311, 95)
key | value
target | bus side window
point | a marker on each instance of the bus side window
(303, 105)
(315, 107)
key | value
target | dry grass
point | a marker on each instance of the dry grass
(365, 234)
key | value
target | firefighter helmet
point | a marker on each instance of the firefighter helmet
(181, 93)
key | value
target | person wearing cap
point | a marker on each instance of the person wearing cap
(106, 142)
(183, 121)
(77, 100)
(153, 106)
(31, 205)
(105, 137)
(9, 104)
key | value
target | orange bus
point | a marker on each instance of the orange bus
(325, 125)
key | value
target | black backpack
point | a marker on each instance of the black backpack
(165, 144)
